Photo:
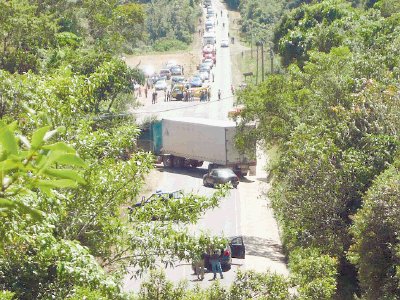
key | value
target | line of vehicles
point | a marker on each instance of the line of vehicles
(171, 77)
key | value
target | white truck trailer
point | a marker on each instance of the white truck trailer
(188, 142)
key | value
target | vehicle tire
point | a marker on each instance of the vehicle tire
(167, 161)
(205, 183)
(177, 162)
(235, 185)
(193, 163)
(226, 267)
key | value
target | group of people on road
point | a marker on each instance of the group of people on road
(215, 261)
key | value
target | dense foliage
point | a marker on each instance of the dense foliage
(68, 157)
(174, 20)
(334, 117)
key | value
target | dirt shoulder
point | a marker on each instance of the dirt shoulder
(189, 59)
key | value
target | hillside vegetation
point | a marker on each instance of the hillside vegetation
(334, 116)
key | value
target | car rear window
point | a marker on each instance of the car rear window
(224, 172)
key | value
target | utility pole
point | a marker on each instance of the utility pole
(262, 61)
(271, 54)
(257, 65)
(252, 40)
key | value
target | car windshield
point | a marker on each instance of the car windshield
(165, 195)
(224, 172)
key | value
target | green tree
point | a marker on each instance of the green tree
(23, 34)
(375, 251)
(314, 273)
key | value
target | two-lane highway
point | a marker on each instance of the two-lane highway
(242, 212)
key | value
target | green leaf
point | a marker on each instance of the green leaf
(34, 213)
(8, 165)
(51, 133)
(65, 174)
(37, 137)
(71, 159)
(6, 204)
(60, 146)
(7, 139)
(60, 157)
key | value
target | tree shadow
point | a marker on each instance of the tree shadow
(263, 247)
(193, 172)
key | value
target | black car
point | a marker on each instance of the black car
(176, 70)
(220, 176)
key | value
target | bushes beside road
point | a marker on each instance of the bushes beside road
(334, 115)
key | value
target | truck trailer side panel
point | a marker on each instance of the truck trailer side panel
(198, 139)
(232, 156)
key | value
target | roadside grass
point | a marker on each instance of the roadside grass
(149, 50)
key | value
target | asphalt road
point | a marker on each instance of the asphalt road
(243, 212)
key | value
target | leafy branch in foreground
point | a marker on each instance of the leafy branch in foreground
(30, 165)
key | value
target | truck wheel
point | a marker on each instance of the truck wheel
(167, 161)
(177, 162)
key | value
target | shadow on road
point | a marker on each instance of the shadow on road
(194, 172)
(244, 179)
(262, 247)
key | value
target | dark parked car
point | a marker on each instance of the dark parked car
(176, 70)
(196, 81)
(220, 176)
(166, 73)
(234, 249)
(177, 79)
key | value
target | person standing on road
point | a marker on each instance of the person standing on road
(145, 91)
(199, 267)
(219, 94)
(168, 96)
(184, 96)
(216, 265)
